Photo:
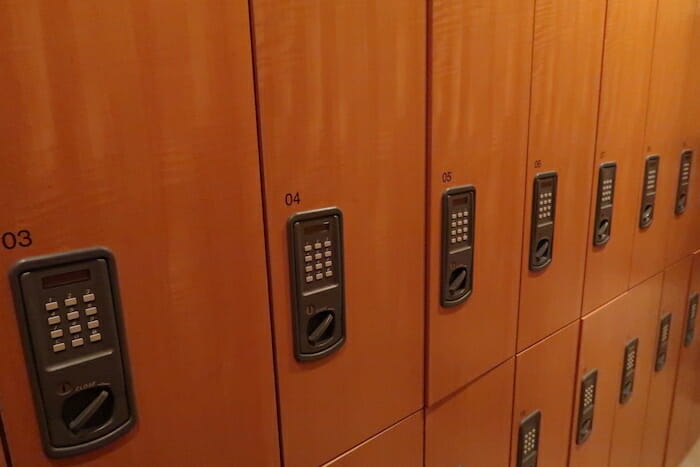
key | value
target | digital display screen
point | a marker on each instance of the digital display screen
(65, 278)
(462, 200)
(313, 229)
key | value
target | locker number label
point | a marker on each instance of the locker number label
(292, 198)
(21, 239)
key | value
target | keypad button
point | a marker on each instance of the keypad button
(328, 254)
(54, 320)
(89, 297)
(308, 268)
(50, 306)
(307, 258)
(60, 347)
(453, 232)
(72, 315)
(91, 311)
(454, 216)
(460, 222)
(319, 276)
(454, 224)
(75, 329)
(97, 337)
(459, 214)
(93, 324)
(319, 265)
(317, 245)
(309, 278)
(318, 256)
(307, 247)
(327, 243)
(454, 240)
(329, 264)
(77, 342)
(329, 273)
(71, 301)
(56, 333)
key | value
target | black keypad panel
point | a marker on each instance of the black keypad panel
(528, 440)
(604, 204)
(629, 364)
(544, 202)
(458, 212)
(586, 407)
(683, 182)
(651, 172)
(662, 344)
(72, 320)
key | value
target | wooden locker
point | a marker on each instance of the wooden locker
(629, 38)
(545, 383)
(401, 444)
(661, 387)
(637, 321)
(566, 66)
(664, 137)
(472, 427)
(132, 125)
(342, 117)
(616, 434)
(480, 99)
(686, 391)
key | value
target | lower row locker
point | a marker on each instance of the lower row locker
(400, 445)
(472, 426)
(544, 392)
(615, 361)
(341, 101)
(132, 125)
(669, 336)
(682, 431)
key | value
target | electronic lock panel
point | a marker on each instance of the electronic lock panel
(529, 440)
(543, 213)
(690, 323)
(69, 314)
(629, 364)
(604, 203)
(316, 261)
(651, 174)
(586, 407)
(683, 182)
(662, 344)
(458, 210)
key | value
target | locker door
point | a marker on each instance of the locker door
(342, 116)
(545, 383)
(625, 83)
(472, 427)
(479, 135)
(565, 88)
(401, 444)
(638, 320)
(663, 136)
(680, 432)
(599, 343)
(134, 129)
(661, 387)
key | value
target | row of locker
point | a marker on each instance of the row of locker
(163, 130)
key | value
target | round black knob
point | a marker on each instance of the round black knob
(88, 409)
(603, 230)
(647, 213)
(458, 280)
(542, 251)
(321, 327)
(680, 207)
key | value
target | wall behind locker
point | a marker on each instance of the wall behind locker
(132, 125)
(342, 115)
(480, 97)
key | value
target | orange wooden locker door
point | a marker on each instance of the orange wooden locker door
(695, 303)
(638, 323)
(132, 125)
(566, 65)
(684, 409)
(629, 36)
(472, 426)
(401, 444)
(597, 384)
(342, 116)
(663, 377)
(480, 95)
(663, 137)
(545, 378)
